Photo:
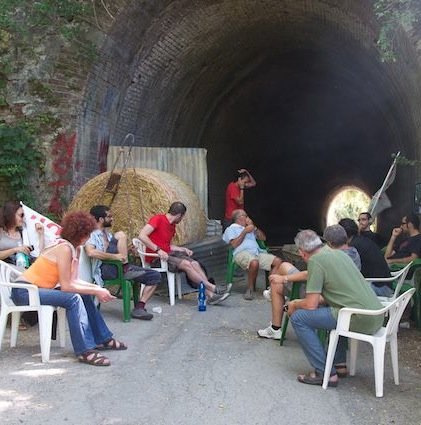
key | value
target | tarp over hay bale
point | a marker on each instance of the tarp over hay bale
(142, 193)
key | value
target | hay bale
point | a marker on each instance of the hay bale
(141, 194)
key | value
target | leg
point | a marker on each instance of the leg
(278, 301)
(305, 324)
(253, 270)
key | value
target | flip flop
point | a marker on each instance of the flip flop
(314, 378)
(112, 344)
(94, 358)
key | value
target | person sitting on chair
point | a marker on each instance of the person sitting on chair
(55, 273)
(247, 254)
(332, 275)
(103, 245)
(157, 235)
(410, 248)
(365, 220)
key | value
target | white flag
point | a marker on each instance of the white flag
(380, 200)
(30, 235)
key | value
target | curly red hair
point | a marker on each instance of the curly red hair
(76, 226)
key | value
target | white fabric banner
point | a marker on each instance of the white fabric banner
(30, 235)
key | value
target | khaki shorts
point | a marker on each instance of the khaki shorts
(244, 258)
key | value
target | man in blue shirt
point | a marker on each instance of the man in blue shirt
(241, 235)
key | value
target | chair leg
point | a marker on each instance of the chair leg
(353, 351)
(14, 328)
(171, 287)
(395, 357)
(178, 283)
(126, 288)
(284, 329)
(3, 323)
(378, 355)
(61, 326)
(45, 322)
(333, 343)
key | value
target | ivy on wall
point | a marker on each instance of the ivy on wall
(391, 14)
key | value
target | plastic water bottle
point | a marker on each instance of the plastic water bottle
(21, 259)
(201, 299)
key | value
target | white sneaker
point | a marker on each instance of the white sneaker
(270, 333)
(267, 294)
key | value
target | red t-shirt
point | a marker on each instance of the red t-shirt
(231, 195)
(163, 232)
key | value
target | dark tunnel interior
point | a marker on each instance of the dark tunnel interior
(297, 95)
(304, 123)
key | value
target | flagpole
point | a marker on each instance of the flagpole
(380, 191)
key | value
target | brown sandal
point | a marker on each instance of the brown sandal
(341, 370)
(112, 344)
(94, 358)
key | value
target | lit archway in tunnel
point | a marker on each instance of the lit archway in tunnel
(346, 202)
(294, 91)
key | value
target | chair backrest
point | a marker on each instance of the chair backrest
(7, 275)
(141, 250)
(401, 275)
(396, 309)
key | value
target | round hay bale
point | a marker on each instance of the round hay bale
(142, 193)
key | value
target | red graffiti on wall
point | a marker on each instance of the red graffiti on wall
(102, 154)
(62, 151)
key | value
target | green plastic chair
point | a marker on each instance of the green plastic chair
(231, 264)
(414, 282)
(128, 288)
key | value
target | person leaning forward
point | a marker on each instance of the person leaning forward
(157, 235)
(332, 274)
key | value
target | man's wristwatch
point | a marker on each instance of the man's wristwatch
(157, 249)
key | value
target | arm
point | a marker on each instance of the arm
(283, 278)
(310, 302)
(404, 260)
(240, 238)
(252, 182)
(64, 262)
(92, 252)
(144, 237)
(39, 228)
(389, 248)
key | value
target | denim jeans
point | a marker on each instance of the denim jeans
(305, 324)
(382, 291)
(86, 324)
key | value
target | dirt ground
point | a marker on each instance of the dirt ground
(410, 348)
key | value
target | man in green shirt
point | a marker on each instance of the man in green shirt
(333, 282)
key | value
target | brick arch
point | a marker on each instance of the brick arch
(173, 73)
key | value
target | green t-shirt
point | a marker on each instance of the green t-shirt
(333, 274)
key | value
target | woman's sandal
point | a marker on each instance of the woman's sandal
(112, 344)
(314, 378)
(341, 370)
(94, 358)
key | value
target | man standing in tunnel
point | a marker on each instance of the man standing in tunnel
(234, 194)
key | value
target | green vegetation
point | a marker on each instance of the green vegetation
(21, 161)
(392, 14)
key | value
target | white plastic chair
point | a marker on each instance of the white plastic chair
(172, 278)
(388, 333)
(45, 312)
(399, 275)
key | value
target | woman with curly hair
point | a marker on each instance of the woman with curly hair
(55, 273)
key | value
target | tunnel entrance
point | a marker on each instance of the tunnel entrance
(295, 91)
(346, 202)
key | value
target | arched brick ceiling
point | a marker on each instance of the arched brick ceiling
(294, 90)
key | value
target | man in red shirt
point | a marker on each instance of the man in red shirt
(234, 194)
(157, 235)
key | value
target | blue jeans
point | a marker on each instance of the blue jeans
(86, 324)
(382, 291)
(305, 324)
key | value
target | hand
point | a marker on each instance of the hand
(121, 257)
(396, 232)
(242, 170)
(23, 248)
(250, 228)
(105, 296)
(188, 252)
(39, 228)
(291, 308)
(162, 255)
(276, 279)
